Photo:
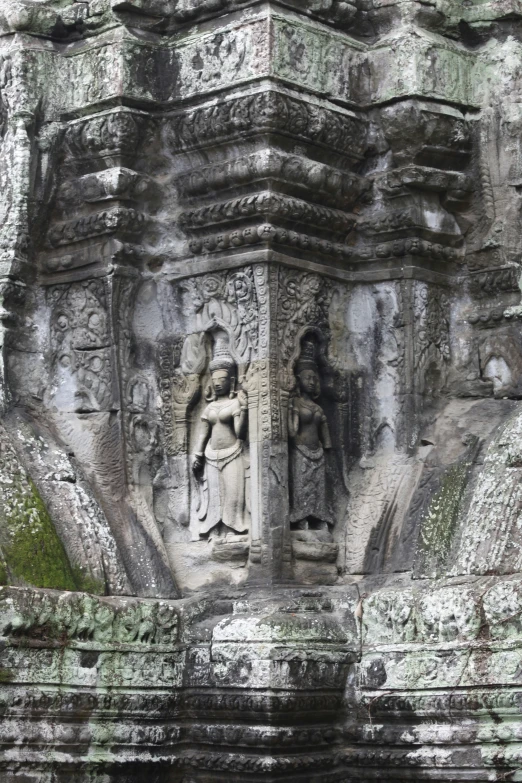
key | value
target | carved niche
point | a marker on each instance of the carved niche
(321, 399)
(220, 464)
(312, 515)
(206, 417)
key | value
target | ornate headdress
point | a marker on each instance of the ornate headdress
(307, 359)
(221, 358)
(222, 362)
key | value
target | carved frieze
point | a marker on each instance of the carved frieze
(270, 234)
(275, 194)
(122, 220)
(111, 135)
(269, 111)
(267, 205)
(427, 183)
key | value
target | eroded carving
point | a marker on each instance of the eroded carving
(81, 344)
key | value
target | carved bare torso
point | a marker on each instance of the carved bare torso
(311, 422)
(221, 414)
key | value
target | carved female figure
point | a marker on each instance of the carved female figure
(219, 462)
(309, 434)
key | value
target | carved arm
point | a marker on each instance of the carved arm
(293, 419)
(198, 460)
(241, 416)
(324, 434)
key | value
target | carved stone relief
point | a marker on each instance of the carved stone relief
(81, 346)
(260, 379)
(206, 416)
(311, 519)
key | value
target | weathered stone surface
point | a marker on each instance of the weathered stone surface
(260, 381)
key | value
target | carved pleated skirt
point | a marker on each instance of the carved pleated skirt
(225, 475)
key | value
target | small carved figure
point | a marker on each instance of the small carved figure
(308, 430)
(219, 461)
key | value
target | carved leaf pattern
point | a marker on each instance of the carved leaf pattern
(304, 300)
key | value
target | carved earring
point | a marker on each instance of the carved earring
(210, 394)
(232, 388)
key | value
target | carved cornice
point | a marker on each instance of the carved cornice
(319, 181)
(268, 112)
(113, 134)
(266, 205)
(267, 233)
(110, 221)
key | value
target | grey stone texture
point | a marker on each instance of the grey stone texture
(260, 383)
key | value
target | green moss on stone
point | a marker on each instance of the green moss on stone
(439, 523)
(4, 576)
(87, 583)
(34, 554)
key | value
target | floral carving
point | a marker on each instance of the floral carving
(431, 309)
(117, 132)
(228, 302)
(304, 300)
(80, 340)
(269, 111)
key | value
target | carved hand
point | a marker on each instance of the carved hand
(242, 399)
(198, 463)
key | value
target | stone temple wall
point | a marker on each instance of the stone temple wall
(260, 383)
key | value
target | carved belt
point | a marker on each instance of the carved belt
(219, 458)
(315, 455)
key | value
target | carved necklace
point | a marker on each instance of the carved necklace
(309, 404)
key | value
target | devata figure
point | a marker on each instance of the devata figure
(219, 461)
(309, 434)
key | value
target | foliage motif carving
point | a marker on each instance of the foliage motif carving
(268, 233)
(431, 312)
(487, 282)
(116, 132)
(304, 301)
(331, 185)
(86, 618)
(228, 302)
(80, 341)
(269, 111)
(414, 246)
(107, 222)
(267, 204)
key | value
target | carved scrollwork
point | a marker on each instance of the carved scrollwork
(269, 111)
(331, 185)
(227, 302)
(117, 132)
(431, 312)
(304, 301)
(266, 204)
